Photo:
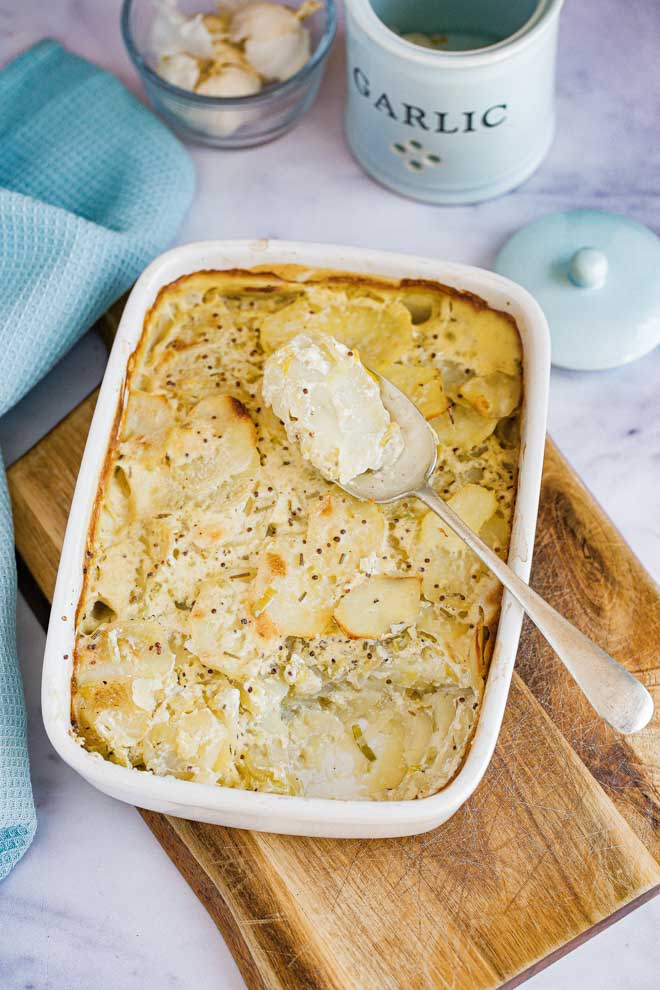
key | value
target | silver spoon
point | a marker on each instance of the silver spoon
(617, 696)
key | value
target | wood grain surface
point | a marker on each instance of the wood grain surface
(559, 838)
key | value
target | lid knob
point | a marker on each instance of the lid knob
(588, 268)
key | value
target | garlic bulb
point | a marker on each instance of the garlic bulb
(172, 33)
(180, 70)
(232, 80)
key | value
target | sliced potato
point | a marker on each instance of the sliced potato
(291, 592)
(489, 340)
(224, 633)
(120, 676)
(159, 536)
(148, 488)
(211, 529)
(494, 396)
(218, 442)
(125, 651)
(444, 713)
(389, 767)
(203, 740)
(449, 634)
(370, 610)
(117, 508)
(447, 563)
(418, 729)
(473, 503)
(226, 419)
(227, 518)
(183, 358)
(118, 574)
(146, 414)
(195, 745)
(462, 427)
(108, 714)
(495, 532)
(345, 531)
(382, 333)
(282, 326)
(422, 385)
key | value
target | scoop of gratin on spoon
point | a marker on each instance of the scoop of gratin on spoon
(616, 695)
(379, 448)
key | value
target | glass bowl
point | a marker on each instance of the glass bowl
(228, 122)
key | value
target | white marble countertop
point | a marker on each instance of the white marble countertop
(96, 901)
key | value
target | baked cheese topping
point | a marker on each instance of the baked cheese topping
(245, 623)
(331, 407)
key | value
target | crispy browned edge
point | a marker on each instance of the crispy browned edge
(277, 277)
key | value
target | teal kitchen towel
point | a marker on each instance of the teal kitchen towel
(92, 187)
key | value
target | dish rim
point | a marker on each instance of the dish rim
(276, 812)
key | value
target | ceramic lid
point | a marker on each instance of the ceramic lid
(597, 277)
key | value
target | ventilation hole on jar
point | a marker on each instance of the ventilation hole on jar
(433, 159)
(415, 145)
(399, 149)
(415, 165)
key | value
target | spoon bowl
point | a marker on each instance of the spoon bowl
(417, 461)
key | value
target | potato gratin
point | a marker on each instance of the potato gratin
(243, 622)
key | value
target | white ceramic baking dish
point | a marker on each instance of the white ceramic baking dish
(272, 812)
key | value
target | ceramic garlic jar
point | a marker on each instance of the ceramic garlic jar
(465, 121)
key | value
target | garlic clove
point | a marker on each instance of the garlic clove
(172, 33)
(232, 80)
(262, 22)
(279, 57)
(180, 70)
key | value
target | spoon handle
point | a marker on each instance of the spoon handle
(617, 696)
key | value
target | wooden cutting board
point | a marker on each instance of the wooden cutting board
(558, 840)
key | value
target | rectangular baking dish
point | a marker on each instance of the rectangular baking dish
(274, 812)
